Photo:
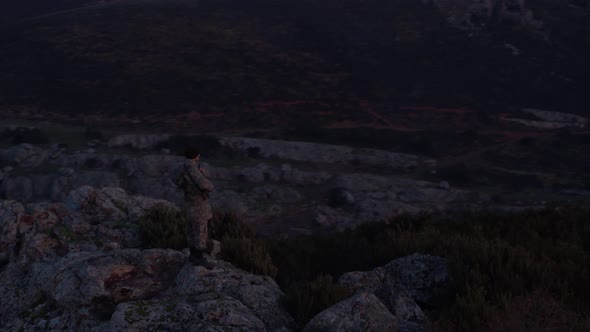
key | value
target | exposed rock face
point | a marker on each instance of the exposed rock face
(426, 277)
(324, 153)
(404, 286)
(259, 294)
(98, 281)
(308, 185)
(390, 292)
(361, 312)
(70, 267)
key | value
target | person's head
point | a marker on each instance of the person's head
(192, 153)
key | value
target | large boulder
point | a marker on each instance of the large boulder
(258, 293)
(391, 293)
(426, 277)
(111, 204)
(204, 312)
(95, 204)
(361, 312)
(80, 291)
(406, 286)
(96, 280)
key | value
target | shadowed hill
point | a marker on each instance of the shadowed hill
(180, 56)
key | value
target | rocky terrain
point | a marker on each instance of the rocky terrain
(79, 265)
(281, 186)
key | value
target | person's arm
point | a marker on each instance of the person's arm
(198, 178)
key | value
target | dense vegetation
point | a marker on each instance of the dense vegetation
(162, 227)
(528, 271)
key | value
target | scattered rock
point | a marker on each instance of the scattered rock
(340, 197)
(444, 185)
(277, 194)
(66, 171)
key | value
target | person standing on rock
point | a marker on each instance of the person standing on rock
(197, 209)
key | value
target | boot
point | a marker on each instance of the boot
(199, 258)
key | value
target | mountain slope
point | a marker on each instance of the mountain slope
(181, 56)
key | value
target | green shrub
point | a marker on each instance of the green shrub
(308, 298)
(163, 227)
(248, 254)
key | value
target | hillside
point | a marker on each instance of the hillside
(231, 57)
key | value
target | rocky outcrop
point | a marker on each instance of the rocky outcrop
(405, 286)
(321, 153)
(426, 277)
(389, 291)
(79, 266)
(361, 312)
(360, 198)
(259, 294)
(335, 197)
(110, 204)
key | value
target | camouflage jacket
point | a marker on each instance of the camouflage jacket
(194, 184)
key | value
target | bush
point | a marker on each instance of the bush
(308, 298)
(248, 254)
(240, 246)
(492, 258)
(537, 311)
(163, 227)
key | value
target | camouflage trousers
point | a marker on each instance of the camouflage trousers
(197, 214)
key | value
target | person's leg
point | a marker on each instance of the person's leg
(189, 214)
(201, 235)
